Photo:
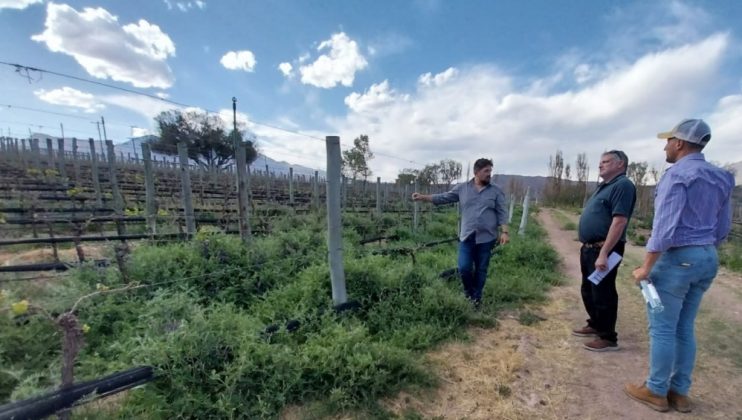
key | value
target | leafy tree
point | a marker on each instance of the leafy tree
(355, 160)
(205, 136)
(429, 174)
(449, 171)
(407, 176)
(554, 186)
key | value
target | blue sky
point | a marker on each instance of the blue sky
(425, 79)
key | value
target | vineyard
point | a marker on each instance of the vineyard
(229, 322)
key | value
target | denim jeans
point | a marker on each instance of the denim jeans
(474, 260)
(681, 276)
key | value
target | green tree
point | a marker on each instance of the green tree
(429, 174)
(205, 136)
(406, 176)
(355, 160)
(449, 171)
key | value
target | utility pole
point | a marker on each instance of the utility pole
(103, 123)
(100, 139)
(61, 127)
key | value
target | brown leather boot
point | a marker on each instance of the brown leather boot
(679, 402)
(642, 394)
(586, 331)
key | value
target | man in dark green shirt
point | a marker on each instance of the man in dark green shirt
(602, 231)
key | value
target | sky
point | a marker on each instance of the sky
(426, 80)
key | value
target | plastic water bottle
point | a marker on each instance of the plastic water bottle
(651, 297)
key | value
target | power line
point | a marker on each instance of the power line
(18, 67)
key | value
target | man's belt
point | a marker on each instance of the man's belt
(596, 245)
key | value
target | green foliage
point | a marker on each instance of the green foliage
(355, 160)
(730, 256)
(203, 323)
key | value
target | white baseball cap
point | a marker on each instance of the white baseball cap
(691, 130)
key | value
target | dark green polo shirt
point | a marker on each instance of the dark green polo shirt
(614, 198)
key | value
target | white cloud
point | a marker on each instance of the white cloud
(139, 132)
(185, 6)
(726, 130)
(485, 112)
(376, 96)
(282, 145)
(439, 79)
(162, 95)
(135, 53)
(287, 69)
(338, 66)
(583, 73)
(17, 4)
(239, 60)
(389, 44)
(68, 96)
(142, 105)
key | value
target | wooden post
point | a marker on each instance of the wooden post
(118, 199)
(315, 190)
(150, 193)
(23, 152)
(55, 250)
(524, 217)
(94, 172)
(49, 154)
(512, 207)
(243, 209)
(185, 181)
(344, 197)
(416, 211)
(291, 185)
(378, 195)
(76, 162)
(35, 153)
(334, 222)
(267, 183)
(61, 160)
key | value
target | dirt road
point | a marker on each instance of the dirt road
(541, 371)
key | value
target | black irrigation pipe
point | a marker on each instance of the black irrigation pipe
(67, 239)
(52, 266)
(411, 251)
(55, 266)
(55, 210)
(379, 238)
(48, 404)
(294, 324)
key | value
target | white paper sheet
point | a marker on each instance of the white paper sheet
(597, 276)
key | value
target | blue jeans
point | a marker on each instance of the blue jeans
(474, 260)
(681, 275)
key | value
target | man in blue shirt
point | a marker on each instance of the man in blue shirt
(483, 211)
(692, 216)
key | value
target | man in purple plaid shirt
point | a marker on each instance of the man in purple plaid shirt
(692, 217)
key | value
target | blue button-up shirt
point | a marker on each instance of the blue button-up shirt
(692, 205)
(482, 212)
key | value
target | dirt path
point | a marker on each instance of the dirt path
(541, 371)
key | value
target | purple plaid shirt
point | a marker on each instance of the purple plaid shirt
(692, 205)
